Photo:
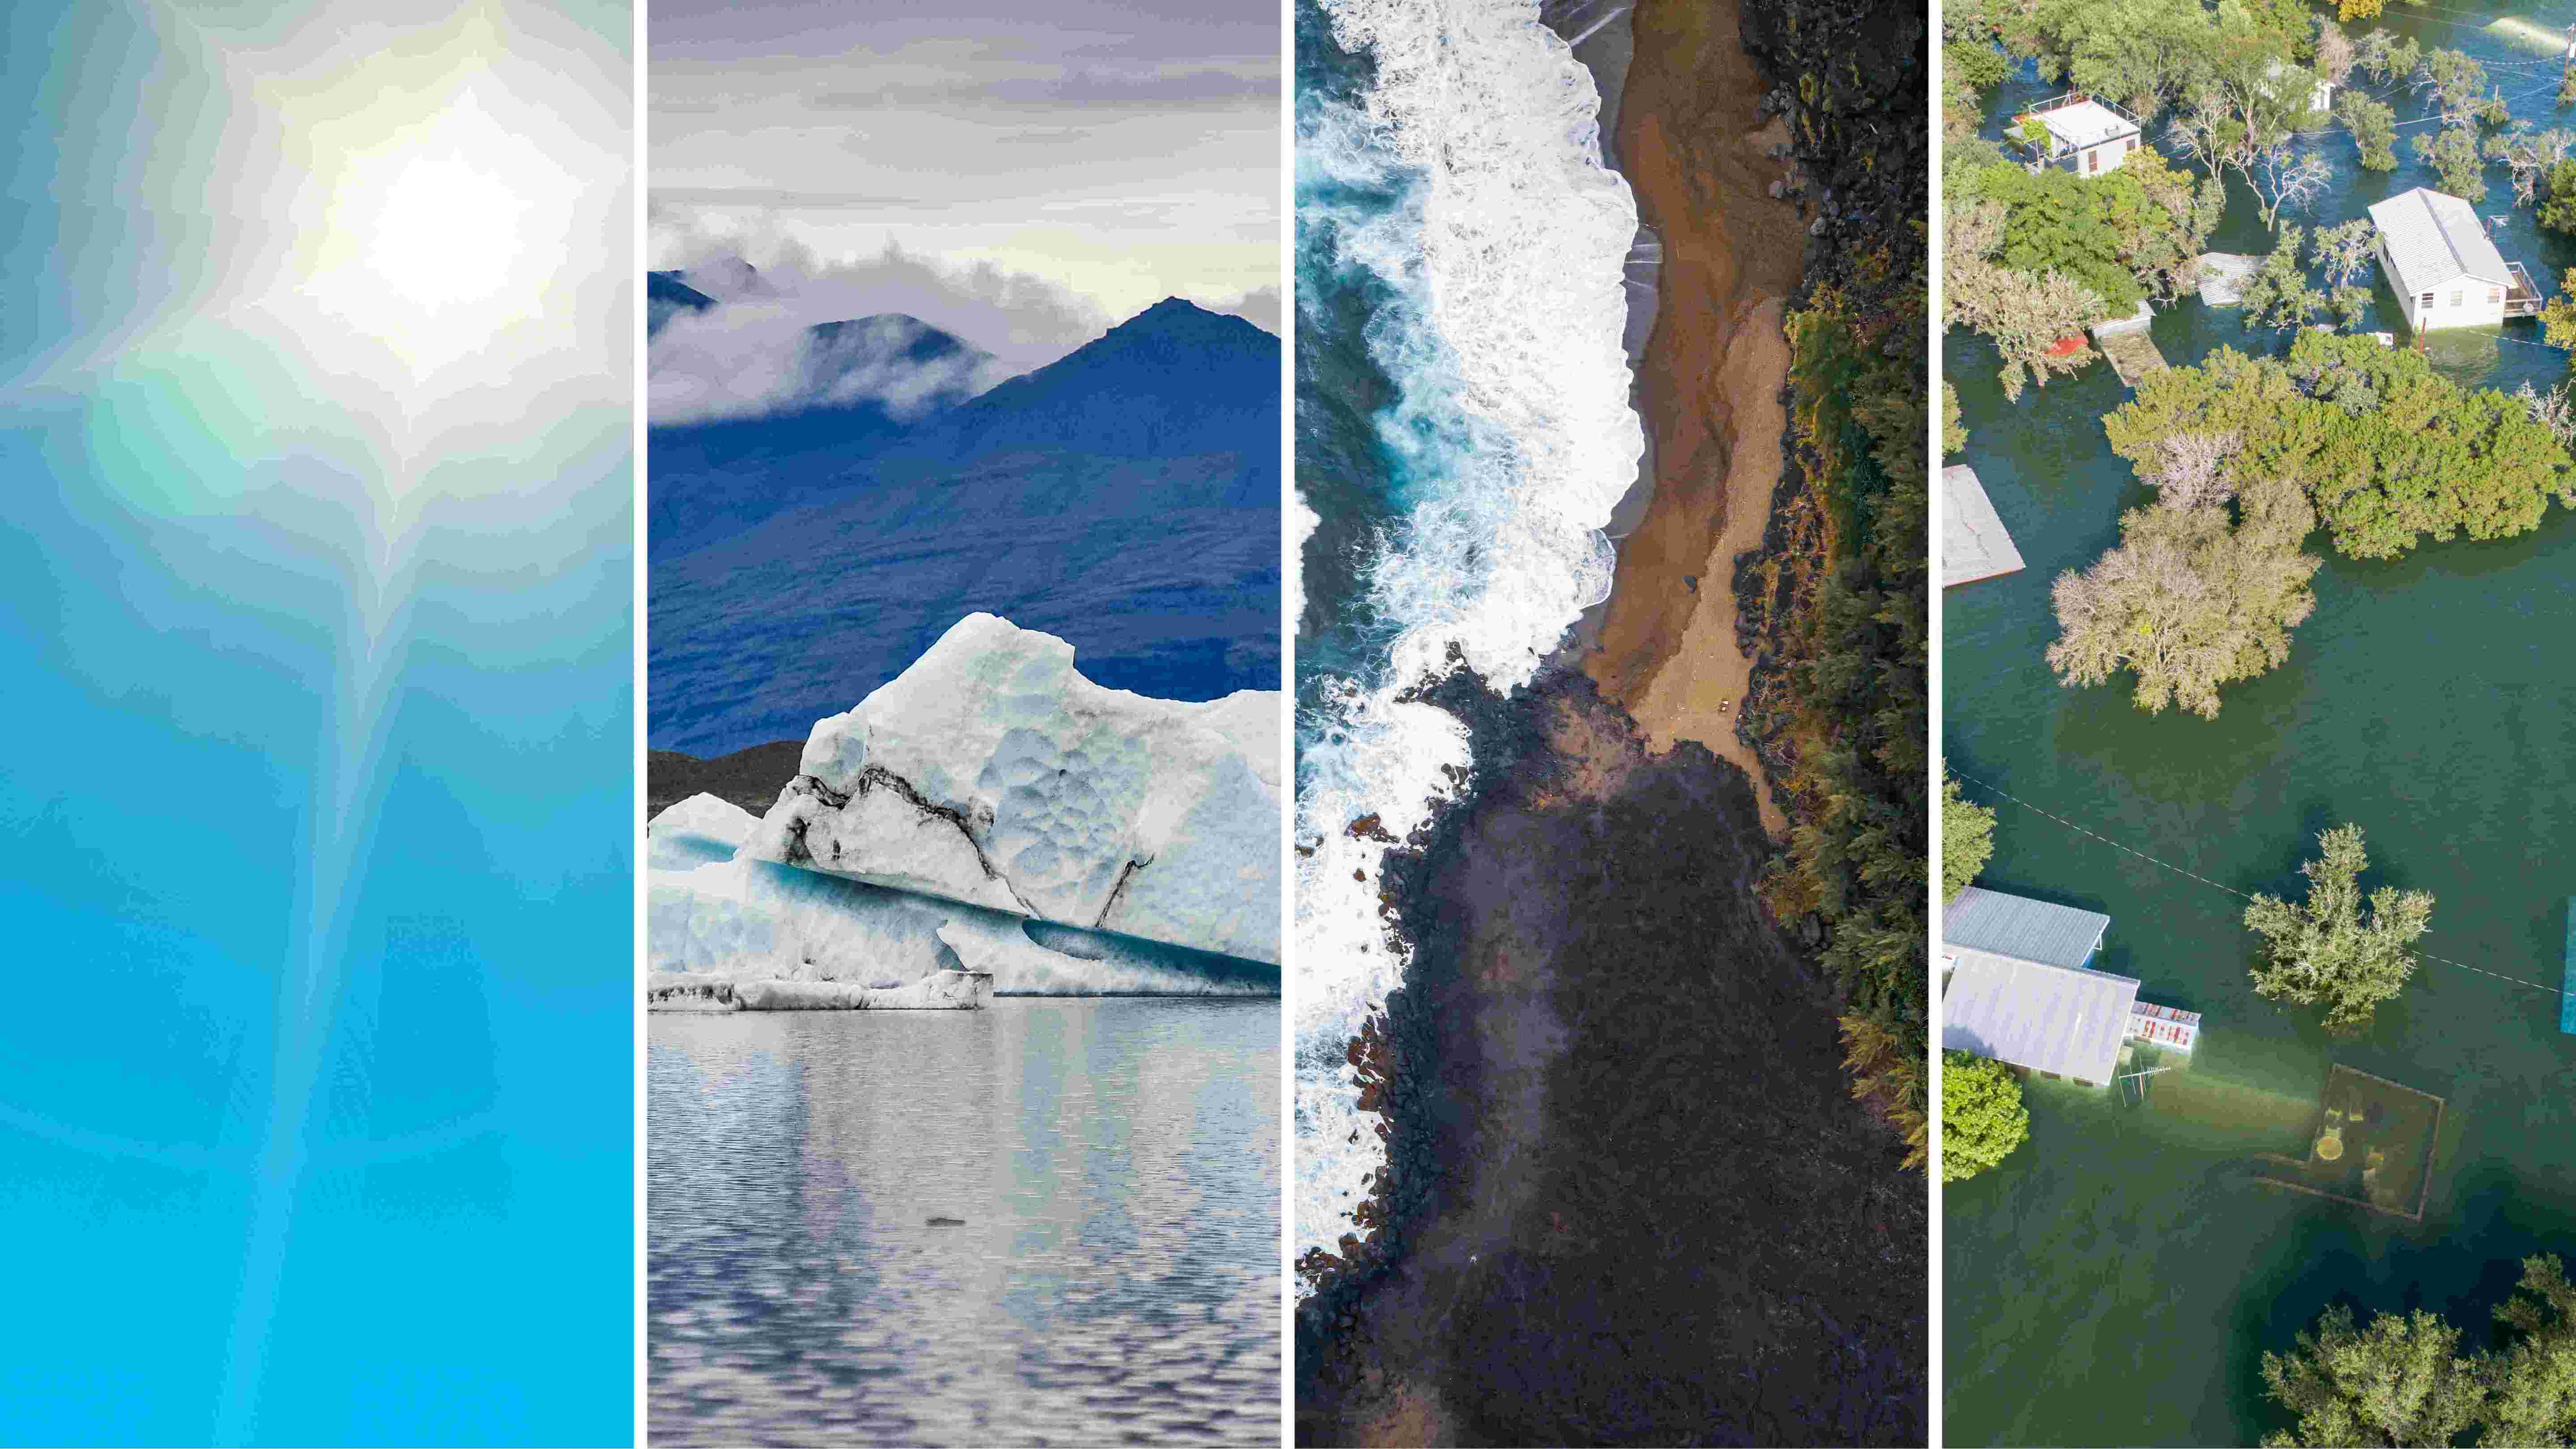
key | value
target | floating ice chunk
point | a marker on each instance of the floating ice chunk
(698, 830)
(992, 773)
(732, 922)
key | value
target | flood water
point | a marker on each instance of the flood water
(1116, 1274)
(2118, 1279)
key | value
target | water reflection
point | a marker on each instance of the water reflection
(1115, 1165)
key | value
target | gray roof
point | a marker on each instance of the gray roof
(2432, 238)
(2047, 1018)
(1974, 544)
(2051, 935)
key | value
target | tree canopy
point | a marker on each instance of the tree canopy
(1982, 1116)
(1967, 839)
(2323, 951)
(2400, 1379)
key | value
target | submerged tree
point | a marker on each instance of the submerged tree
(2531, 1383)
(2453, 155)
(2397, 1381)
(2558, 196)
(2037, 322)
(2324, 951)
(1967, 839)
(1982, 1116)
(2373, 127)
(2191, 599)
(2278, 295)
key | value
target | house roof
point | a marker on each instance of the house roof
(2047, 1018)
(2433, 238)
(2086, 123)
(1974, 544)
(2017, 926)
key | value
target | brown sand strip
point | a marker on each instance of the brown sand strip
(1696, 146)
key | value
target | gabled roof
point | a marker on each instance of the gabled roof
(2047, 1018)
(2434, 238)
(2002, 925)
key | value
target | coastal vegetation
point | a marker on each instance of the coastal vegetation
(2401, 1378)
(1837, 601)
(2324, 951)
(1982, 1116)
(1967, 839)
(2251, 454)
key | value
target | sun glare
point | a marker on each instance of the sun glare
(440, 235)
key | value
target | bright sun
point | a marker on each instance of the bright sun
(437, 237)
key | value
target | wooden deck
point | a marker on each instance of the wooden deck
(2133, 354)
(2522, 299)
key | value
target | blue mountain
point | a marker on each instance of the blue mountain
(1125, 498)
(665, 294)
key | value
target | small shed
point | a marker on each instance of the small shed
(2086, 134)
(2445, 271)
(2019, 990)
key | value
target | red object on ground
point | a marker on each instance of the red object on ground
(2065, 345)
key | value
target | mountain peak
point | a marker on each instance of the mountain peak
(1180, 319)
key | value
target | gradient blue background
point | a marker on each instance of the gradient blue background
(316, 793)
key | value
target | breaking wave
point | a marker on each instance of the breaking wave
(1452, 204)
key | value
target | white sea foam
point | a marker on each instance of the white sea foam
(1514, 439)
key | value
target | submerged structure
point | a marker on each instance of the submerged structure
(2020, 987)
(2371, 1145)
(2446, 271)
(2079, 132)
(1974, 544)
(2567, 992)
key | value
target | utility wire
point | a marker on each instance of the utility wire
(2231, 890)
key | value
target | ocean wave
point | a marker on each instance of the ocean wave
(1465, 180)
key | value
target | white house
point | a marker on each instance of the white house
(2443, 268)
(2320, 90)
(2086, 134)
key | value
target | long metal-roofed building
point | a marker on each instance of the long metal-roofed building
(2021, 989)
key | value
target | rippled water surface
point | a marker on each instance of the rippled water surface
(1116, 1275)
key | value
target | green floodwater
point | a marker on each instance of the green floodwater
(2117, 1281)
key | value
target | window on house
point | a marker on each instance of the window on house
(2093, 159)
(2455, 297)
(2495, 294)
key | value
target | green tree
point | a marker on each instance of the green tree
(2397, 1381)
(2278, 295)
(2453, 155)
(2531, 1383)
(2373, 127)
(2032, 319)
(1982, 1116)
(2358, 9)
(2558, 314)
(2558, 196)
(1967, 839)
(1954, 435)
(2323, 951)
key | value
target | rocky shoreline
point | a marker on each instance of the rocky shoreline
(1628, 1198)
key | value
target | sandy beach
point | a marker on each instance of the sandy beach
(1695, 145)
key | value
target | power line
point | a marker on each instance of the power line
(2231, 890)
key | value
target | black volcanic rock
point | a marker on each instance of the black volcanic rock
(1629, 1198)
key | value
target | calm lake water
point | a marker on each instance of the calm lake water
(1116, 1165)
(2117, 1281)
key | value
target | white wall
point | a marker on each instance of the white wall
(2474, 308)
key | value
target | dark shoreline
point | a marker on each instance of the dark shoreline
(1628, 1196)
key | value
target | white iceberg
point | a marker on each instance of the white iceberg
(992, 774)
(938, 991)
(698, 830)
